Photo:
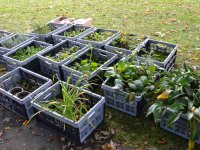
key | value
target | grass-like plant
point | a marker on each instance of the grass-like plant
(25, 53)
(72, 103)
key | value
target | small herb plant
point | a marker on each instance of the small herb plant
(72, 103)
(98, 36)
(43, 29)
(88, 64)
(74, 32)
(127, 41)
(157, 52)
(132, 77)
(11, 42)
(25, 53)
(177, 93)
(64, 53)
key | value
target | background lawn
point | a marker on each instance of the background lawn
(175, 21)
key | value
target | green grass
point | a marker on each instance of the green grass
(175, 21)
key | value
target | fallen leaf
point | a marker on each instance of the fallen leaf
(7, 128)
(34, 133)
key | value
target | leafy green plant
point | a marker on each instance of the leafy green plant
(88, 64)
(127, 41)
(11, 42)
(74, 32)
(135, 78)
(64, 53)
(72, 103)
(98, 36)
(25, 53)
(177, 93)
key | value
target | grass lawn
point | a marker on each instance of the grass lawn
(175, 21)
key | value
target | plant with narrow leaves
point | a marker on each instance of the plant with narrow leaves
(72, 103)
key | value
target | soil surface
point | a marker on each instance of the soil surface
(15, 136)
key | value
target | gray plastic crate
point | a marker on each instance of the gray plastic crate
(98, 44)
(4, 50)
(21, 107)
(12, 63)
(122, 51)
(180, 127)
(171, 55)
(48, 37)
(74, 131)
(117, 99)
(71, 28)
(5, 34)
(75, 75)
(51, 67)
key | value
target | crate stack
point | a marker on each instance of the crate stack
(42, 67)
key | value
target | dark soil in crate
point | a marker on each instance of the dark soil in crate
(151, 50)
(34, 66)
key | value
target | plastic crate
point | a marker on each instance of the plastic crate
(74, 131)
(171, 55)
(48, 37)
(5, 33)
(122, 51)
(75, 75)
(21, 107)
(51, 67)
(98, 44)
(12, 63)
(117, 99)
(71, 28)
(180, 127)
(4, 50)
